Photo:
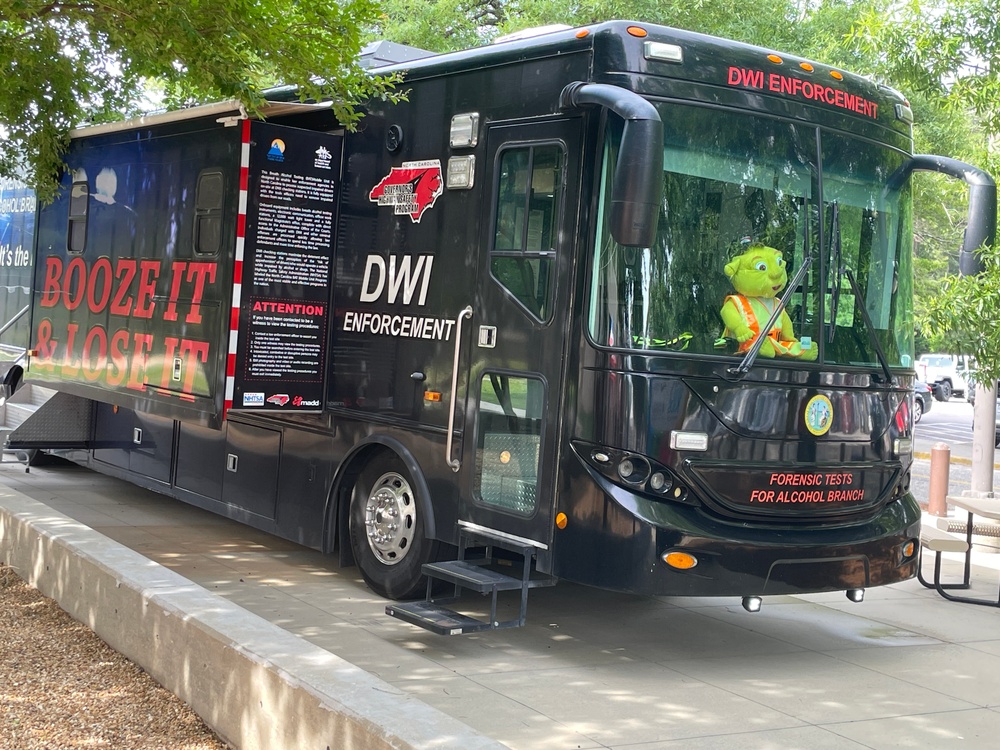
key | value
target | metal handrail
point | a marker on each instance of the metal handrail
(455, 464)
(13, 320)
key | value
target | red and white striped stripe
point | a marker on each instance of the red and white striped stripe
(234, 313)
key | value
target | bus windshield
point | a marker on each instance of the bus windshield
(733, 183)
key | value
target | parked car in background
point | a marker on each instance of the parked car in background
(970, 383)
(996, 436)
(922, 399)
(945, 373)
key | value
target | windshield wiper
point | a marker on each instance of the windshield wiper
(842, 271)
(835, 251)
(876, 344)
(744, 367)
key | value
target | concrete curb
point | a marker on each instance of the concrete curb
(256, 685)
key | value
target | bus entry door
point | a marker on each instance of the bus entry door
(519, 327)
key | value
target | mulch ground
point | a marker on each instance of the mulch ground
(63, 687)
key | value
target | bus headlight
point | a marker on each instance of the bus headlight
(634, 472)
(659, 482)
(633, 469)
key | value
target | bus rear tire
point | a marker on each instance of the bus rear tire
(387, 530)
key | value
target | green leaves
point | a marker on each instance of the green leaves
(965, 313)
(945, 55)
(67, 63)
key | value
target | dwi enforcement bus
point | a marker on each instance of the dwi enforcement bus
(484, 339)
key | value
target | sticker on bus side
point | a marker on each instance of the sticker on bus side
(410, 189)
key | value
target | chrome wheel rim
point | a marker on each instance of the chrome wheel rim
(390, 518)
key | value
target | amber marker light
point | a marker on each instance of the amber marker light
(637, 31)
(806, 67)
(432, 396)
(837, 75)
(909, 549)
(582, 33)
(680, 560)
(775, 59)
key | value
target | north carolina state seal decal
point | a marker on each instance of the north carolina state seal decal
(819, 415)
(410, 188)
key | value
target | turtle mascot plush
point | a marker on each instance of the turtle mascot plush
(758, 275)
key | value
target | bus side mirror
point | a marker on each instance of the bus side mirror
(981, 229)
(982, 226)
(637, 189)
(637, 186)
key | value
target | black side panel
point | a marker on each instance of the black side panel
(112, 435)
(251, 477)
(152, 446)
(237, 465)
(201, 456)
(130, 440)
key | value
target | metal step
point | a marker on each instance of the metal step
(477, 574)
(471, 575)
(57, 419)
(15, 410)
(24, 402)
(436, 618)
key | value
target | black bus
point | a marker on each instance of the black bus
(517, 316)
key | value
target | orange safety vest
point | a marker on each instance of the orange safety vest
(792, 348)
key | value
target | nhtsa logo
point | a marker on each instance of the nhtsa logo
(253, 399)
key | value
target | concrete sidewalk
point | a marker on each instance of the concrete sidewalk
(592, 669)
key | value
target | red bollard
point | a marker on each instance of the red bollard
(937, 503)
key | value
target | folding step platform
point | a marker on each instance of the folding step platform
(476, 569)
(34, 417)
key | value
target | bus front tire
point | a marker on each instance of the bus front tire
(387, 530)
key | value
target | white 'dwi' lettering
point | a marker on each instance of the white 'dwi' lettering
(402, 275)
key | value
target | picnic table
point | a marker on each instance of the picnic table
(939, 540)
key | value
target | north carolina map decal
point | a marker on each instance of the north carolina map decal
(410, 188)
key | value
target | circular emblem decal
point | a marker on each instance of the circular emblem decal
(819, 415)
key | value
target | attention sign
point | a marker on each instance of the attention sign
(283, 294)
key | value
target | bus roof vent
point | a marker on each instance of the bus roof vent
(377, 54)
(531, 32)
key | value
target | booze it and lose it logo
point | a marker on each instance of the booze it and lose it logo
(410, 189)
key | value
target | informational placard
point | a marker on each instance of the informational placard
(291, 213)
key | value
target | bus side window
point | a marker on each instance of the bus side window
(528, 193)
(79, 205)
(208, 212)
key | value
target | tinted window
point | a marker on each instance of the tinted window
(524, 239)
